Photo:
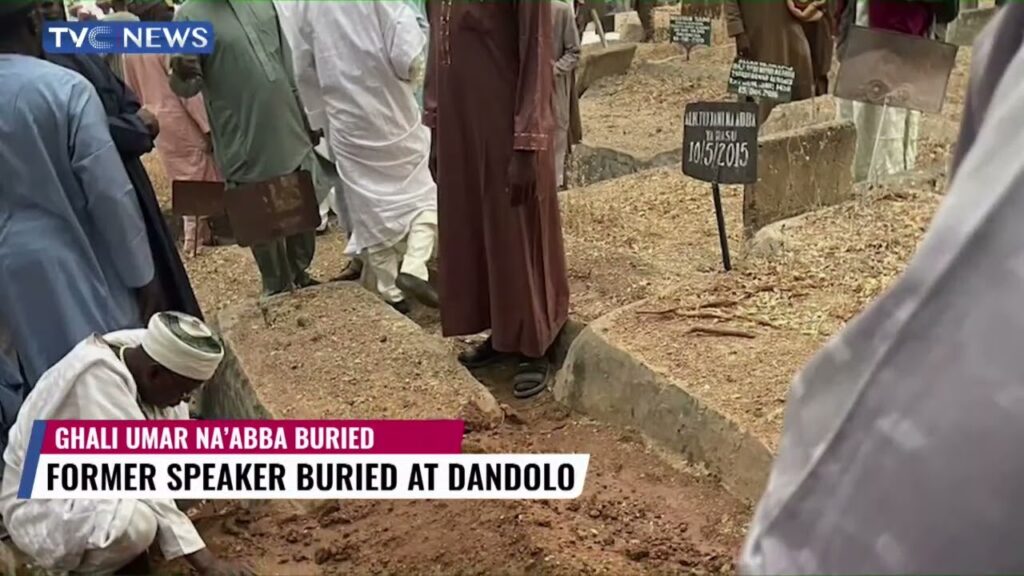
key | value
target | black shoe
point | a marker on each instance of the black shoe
(402, 306)
(482, 355)
(418, 288)
(305, 281)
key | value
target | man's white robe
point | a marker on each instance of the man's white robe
(354, 68)
(90, 383)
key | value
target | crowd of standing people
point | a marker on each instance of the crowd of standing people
(402, 100)
(443, 128)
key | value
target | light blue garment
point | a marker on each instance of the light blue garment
(73, 244)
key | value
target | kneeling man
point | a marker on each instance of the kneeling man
(128, 375)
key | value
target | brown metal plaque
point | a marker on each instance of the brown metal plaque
(277, 208)
(892, 69)
(197, 198)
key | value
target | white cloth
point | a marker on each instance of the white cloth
(414, 253)
(165, 346)
(355, 64)
(90, 383)
(886, 137)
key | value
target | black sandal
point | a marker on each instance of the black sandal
(531, 377)
(480, 356)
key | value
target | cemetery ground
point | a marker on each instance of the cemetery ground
(673, 373)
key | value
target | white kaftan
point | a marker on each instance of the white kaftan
(90, 383)
(355, 66)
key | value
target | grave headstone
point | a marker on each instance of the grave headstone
(761, 80)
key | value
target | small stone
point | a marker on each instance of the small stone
(594, 513)
(383, 339)
(637, 553)
(573, 506)
(302, 321)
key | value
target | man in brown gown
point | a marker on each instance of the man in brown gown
(489, 101)
(767, 31)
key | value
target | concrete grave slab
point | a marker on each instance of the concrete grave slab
(338, 352)
(968, 25)
(799, 171)
(598, 62)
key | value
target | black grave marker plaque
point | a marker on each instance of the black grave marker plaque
(761, 80)
(691, 31)
(720, 142)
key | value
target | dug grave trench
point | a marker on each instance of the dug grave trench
(337, 351)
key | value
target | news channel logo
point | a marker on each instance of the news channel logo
(128, 38)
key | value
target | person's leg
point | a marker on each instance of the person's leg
(124, 549)
(913, 126)
(353, 270)
(645, 10)
(272, 261)
(300, 249)
(561, 146)
(325, 211)
(414, 278)
(188, 230)
(384, 262)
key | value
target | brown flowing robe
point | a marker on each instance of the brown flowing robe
(776, 37)
(489, 92)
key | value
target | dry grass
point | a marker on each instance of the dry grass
(835, 261)
(628, 239)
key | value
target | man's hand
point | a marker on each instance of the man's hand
(151, 301)
(151, 122)
(209, 565)
(522, 176)
(186, 67)
(742, 46)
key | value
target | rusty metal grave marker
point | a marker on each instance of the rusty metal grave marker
(277, 208)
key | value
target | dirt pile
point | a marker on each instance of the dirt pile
(638, 515)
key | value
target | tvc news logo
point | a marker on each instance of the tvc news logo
(128, 38)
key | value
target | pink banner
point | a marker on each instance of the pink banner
(253, 437)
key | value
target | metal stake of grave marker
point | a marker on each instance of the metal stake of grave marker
(723, 239)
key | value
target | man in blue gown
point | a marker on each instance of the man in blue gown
(74, 254)
(134, 131)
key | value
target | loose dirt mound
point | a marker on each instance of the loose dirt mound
(736, 340)
(337, 351)
(628, 239)
(638, 515)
